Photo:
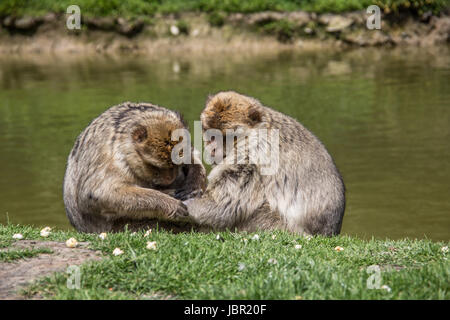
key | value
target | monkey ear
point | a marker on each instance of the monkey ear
(208, 100)
(181, 118)
(139, 134)
(254, 115)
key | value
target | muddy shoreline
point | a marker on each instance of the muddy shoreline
(191, 33)
(18, 275)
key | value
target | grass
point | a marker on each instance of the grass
(134, 8)
(200, 266)
(11, 255)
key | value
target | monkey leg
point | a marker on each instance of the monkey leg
(233, 197)
(223, 209)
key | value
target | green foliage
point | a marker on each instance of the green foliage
(183, 26)
(149, 7)
(283, 29)
(415, 6)
(238, 266)
(216, 19)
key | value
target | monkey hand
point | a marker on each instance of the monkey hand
(179, 211)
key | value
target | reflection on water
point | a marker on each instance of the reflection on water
(383, 115)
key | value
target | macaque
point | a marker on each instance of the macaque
(120, 172)
(299, 188)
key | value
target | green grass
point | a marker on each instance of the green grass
(11, 255)
(199, 266)
(133, 8)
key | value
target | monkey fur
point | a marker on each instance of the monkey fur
(306, 195)
(120, 172)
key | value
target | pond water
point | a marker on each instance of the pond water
(384, 116)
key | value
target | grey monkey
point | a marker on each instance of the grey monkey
(306, 194)
(120, 172)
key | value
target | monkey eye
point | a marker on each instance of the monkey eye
(213, 138)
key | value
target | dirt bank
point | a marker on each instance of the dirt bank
(193, 33)
(16, 275)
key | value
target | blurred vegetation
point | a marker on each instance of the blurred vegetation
(183, 26)
(132, 8)
(283, 29)
(217, 18)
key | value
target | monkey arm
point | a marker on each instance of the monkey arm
(232, 196)
(137, 203)
(206, 211)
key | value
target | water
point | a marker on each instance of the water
(384, 115)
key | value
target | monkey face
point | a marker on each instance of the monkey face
(226, 117)
(230, 110)
(154, 146)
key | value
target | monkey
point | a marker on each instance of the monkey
(120, 172)
(305, 195)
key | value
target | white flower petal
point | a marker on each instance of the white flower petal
(45, 232)
(71, 243)
(117, 252)
(386, 287)
(151, 245)
(147, 233)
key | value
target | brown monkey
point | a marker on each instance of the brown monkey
(304, 195)
(120, 172)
